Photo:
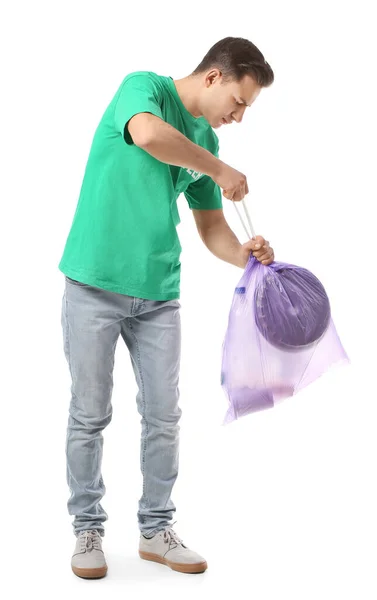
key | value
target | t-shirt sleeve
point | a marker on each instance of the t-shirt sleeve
(138, 94)
(204, 194)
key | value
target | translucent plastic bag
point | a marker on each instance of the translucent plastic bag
(280, 336)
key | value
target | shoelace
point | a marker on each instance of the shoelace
(171, 538)
(90, 540)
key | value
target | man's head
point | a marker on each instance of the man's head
(231, 75)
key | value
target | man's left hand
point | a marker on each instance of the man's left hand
(260, 249)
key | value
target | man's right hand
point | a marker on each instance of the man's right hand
(232, 182)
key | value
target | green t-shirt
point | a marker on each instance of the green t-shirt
(123, 237)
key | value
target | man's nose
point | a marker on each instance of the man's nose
(238, 115)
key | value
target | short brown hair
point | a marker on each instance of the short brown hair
(235, 58)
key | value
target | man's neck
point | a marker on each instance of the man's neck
(188, 91)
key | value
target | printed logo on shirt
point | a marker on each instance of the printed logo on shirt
(194, 174)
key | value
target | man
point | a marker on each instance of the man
(121, 262)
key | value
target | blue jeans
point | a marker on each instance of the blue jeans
(92, 321)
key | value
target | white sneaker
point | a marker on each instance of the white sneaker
(88, 560)
(168, 549)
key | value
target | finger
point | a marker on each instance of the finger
(258, 245)
(269, 260)
(259, 242)
(240, 191)
(264, 248)
(228, 194)
(237, 196)
(251, 245)
(264, 253)
(246, 188)
(262, 256)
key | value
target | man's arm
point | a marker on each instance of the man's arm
(218, 236)
(223, 243)
(170, 146)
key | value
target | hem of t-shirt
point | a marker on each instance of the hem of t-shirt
(192, 207)
(126, 290)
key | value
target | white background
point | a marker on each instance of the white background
(281, 503)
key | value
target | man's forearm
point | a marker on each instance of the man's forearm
(223, 243)
(170, 146)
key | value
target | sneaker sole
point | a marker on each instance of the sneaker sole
(181, 568)
(90, 573)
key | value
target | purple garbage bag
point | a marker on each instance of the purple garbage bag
(280, 337)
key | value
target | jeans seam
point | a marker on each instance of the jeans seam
(68, 345)
(65, 319)
(68, 357)
(143, 404)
